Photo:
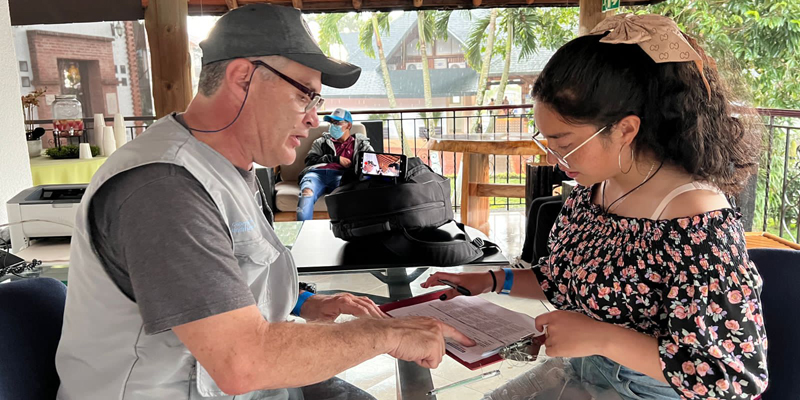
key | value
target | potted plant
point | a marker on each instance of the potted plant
(33, 135)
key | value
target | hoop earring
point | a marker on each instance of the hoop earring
(619, 160)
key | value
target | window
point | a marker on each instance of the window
(26, 82)
(412, 48)
(123, 81)
(122, 69)
(23, 66)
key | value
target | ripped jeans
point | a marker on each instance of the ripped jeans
(320, 182)
(583, 378)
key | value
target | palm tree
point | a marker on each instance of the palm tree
(431, 26)
(530, 28)
(526, 28)
(480, 48)
(370, 30)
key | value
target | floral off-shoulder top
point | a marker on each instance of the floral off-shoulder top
(687, 282)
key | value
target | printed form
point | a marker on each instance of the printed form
(488, 324)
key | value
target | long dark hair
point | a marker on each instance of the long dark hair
(589, 82)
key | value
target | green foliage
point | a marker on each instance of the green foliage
(69, 151)
(366, 32)
(758, 41)
(533, 27)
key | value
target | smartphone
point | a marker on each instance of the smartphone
(381, 164)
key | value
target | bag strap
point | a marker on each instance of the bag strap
(484, 245)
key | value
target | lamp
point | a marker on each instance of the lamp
(117, 29)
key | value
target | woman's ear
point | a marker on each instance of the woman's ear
(629, 128)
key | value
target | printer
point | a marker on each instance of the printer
(44, 211)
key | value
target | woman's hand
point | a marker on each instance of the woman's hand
(572, 334)
(475, 282)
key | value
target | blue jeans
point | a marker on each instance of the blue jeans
(320, 182)
(582, 378)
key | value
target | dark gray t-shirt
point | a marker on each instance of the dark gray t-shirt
(164, 243)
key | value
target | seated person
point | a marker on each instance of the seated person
(330, 158)
(392, 169)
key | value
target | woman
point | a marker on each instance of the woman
(656, 296)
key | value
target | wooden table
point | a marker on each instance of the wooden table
(475, 186)
(757, 240)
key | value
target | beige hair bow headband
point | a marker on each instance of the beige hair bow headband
(657, 35)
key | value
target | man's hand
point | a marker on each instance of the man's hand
(345, 162)
(322, 307)
(421, 340)
(572, 334)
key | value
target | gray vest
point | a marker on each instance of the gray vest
(104, 352)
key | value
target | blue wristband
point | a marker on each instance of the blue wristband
(509, 282)
(300, 300)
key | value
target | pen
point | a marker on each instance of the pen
(459, 288)
(465, 381)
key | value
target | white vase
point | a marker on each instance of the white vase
(109, 143)
(34, 148)
(120, 133)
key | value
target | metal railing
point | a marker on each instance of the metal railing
(778, 189)
(407, 131)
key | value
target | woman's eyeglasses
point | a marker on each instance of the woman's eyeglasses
(563, 159)
(315, 100)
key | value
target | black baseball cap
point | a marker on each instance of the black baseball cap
(258, 30)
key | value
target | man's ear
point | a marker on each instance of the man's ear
(237, 76)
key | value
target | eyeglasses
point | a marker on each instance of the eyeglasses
(315, 99)
(563, 159)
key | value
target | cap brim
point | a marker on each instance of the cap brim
(329, 118)
(335, 73)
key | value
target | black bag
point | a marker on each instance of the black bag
(412, 219)
(443, 246)
(377, 206)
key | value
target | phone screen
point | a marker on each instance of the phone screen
(382, 164)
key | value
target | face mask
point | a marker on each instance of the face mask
(336, 132)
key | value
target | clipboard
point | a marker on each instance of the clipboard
(435, 296)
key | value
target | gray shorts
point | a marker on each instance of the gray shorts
(584, 378)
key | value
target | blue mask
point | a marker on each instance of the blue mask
(336, 132)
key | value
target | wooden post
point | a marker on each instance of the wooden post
(591, 14)
(165, 21)
(474, 209)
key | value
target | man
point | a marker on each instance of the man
(330, 158)
(393, 169)
(179, 287)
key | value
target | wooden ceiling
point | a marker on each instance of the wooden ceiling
(219, 7)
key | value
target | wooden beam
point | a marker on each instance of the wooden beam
(219, 7)
(232, 4)
(590, 15)
(298, 4)
(165, 21)
(417, 3)
(497, 190)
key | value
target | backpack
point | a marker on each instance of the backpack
(412, 219)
